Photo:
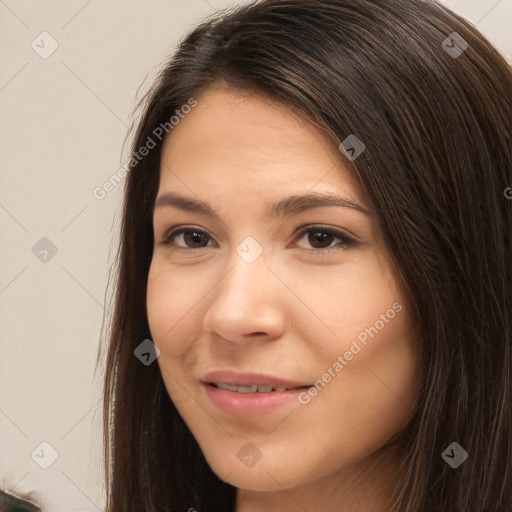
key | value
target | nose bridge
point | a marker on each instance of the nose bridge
(242, 284)
(247, 270)
(242, 302)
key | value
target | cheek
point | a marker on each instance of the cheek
(156, 296)
(166, 307)
(346, 301)
(370, 392)
(170, 320)
(373, 394)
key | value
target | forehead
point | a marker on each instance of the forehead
(235, 139)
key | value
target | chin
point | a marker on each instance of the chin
(270, 473)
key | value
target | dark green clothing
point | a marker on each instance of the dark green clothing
(10, 503)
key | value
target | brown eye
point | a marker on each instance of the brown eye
(320, 239)
(191, 238)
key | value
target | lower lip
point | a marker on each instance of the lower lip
(244, 404)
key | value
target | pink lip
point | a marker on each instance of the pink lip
(249, 379)
(247, 404)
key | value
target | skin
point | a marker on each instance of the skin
(289, 313)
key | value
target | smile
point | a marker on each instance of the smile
(250, 389)
(247, 401)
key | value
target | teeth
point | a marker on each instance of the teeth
(264, 389)
(250, 389)
(243, 389)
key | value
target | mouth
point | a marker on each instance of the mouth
(250, 394)
(245, 382)
(255, 388)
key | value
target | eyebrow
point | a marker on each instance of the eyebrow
(284, 207)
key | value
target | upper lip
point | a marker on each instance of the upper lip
(249, 379)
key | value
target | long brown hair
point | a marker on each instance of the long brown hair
(430, 98)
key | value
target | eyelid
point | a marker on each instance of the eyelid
(177, 230)
(346, 240)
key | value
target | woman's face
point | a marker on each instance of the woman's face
(302, 292)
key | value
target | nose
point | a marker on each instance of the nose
(247, 302)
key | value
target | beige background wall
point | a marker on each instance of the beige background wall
(63, 120)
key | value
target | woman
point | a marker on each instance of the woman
(313, 296)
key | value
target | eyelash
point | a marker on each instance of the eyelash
(346, 241)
